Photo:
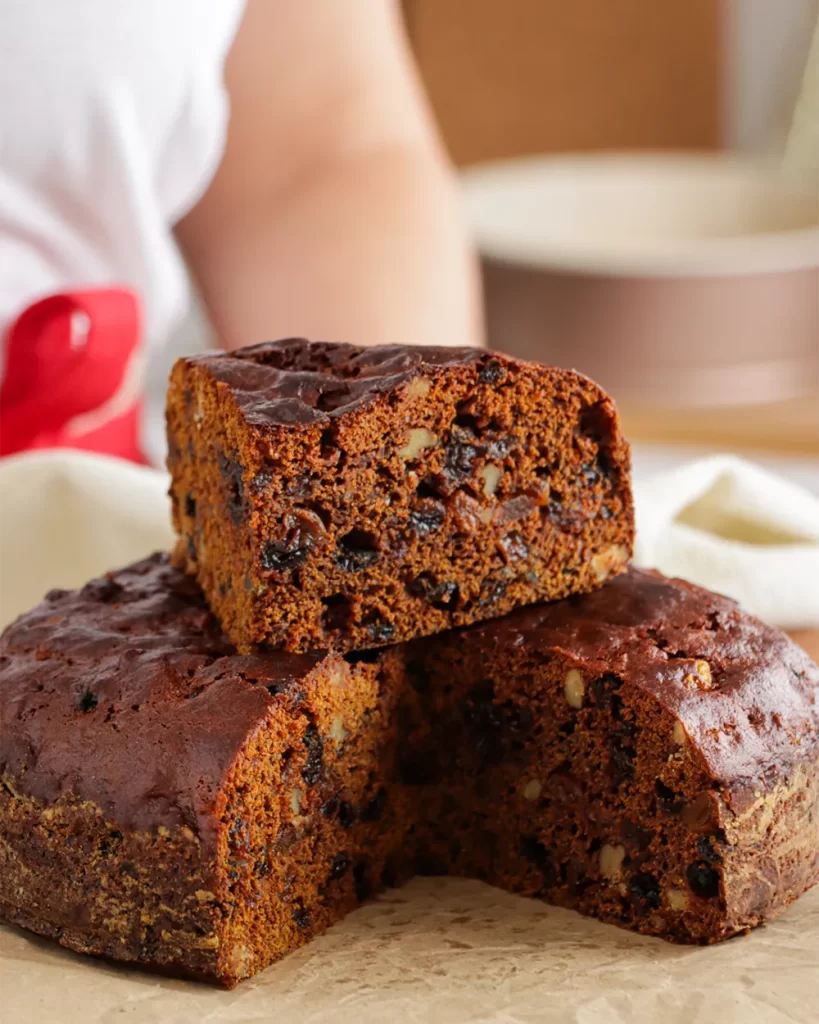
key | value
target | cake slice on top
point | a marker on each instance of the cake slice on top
(334, 497)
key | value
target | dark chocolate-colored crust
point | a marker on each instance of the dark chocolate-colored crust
(755, 714)
(134, 669)
(332, 497)
(647, 754)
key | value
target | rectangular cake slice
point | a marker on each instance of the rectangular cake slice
(333, 497)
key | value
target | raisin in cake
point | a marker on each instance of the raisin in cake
(646, 754)
(333, 497)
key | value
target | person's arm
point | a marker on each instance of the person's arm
(333, 214)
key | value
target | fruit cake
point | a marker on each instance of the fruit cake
(334, 497)
(646, 754)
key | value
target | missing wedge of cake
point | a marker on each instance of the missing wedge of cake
(646, 754)
(332, 497)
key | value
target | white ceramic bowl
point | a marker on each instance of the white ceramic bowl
(668, 278)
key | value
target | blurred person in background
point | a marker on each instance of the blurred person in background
(284, 147)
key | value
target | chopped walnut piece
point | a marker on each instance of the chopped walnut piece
(532, 789)
(419, 387)
(574, 688)
(677, 899)
(611, 860)
(490, 474)
(419, 439)
(609, 561)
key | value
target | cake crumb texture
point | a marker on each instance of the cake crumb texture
(333, 497)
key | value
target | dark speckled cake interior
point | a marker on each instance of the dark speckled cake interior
(333, 497)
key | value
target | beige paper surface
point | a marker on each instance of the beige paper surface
(442, 951)
(439, 951)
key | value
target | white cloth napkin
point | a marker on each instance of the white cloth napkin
(67, 516)
(721, 522)
(732, 527)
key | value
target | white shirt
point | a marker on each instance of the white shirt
(113, 116)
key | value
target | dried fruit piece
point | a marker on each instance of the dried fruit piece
(380, 632)
(339, 866)
(303, 531)
(428, 517)
(439, 594)
(703, 880)
(233, 475)
(514, 547)
(645, 892)
(314, 747)
(461, 453)
(492, 372)
(516, 508)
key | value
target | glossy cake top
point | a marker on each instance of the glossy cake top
(295, 382)
(745, 693)
(126, 693)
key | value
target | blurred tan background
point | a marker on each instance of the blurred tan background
(531, 76)
(509, 77)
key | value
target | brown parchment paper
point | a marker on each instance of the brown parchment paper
(439, 951)
(446, 950)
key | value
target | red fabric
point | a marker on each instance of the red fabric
(65, 356)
